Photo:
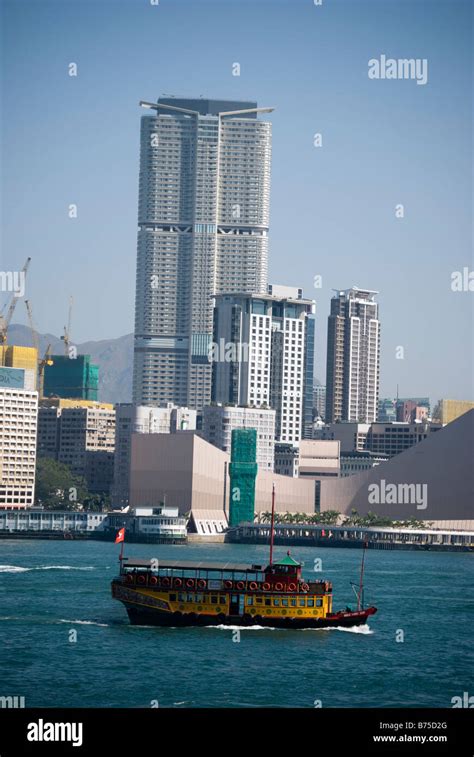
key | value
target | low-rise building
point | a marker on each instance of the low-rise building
(80, 434)
(142, 419)
(38, 519)
(447, 411)
(381, 438)
(355, 462)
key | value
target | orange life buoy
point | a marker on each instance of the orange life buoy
(228, 584)
(305, 587)
(153, 580)
(266, 586)
(165, 581)
(141, 579)
(190, 583)
(291, 587)
(129, 578)
(177, 582)
(201, 583)
(240, 585)
(253, 586)
(279, 586)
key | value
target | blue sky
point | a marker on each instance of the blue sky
(76, 140)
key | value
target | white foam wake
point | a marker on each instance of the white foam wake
(20, 569)
(84, 622)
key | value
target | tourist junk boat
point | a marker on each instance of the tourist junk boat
(181, 593)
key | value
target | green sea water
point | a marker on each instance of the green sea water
(415, 652)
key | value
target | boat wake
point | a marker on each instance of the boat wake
(19, 569)
(84, 622)
(365, 630)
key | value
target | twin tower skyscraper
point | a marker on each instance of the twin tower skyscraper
(203, 218)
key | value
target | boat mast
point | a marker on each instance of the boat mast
(361, 582)
(273, 522)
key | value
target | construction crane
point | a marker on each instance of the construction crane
(67, 330)
(5, 320)
(42, 361)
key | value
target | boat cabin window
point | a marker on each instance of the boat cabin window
(293, 602)
(284, 603)
(222, 600)
(268, 601)
(310, 602)
(250, 600)
(319, 603)
(276, 602)
(190, 598)
(182, 597)
(172, 597)
(259, 600)
(213, 599)
(302, 602)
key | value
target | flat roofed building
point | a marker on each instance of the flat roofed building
(258, 356)
(18, 429)
(220, 420)
(203, 222)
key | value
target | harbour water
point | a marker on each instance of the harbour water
(415, 652)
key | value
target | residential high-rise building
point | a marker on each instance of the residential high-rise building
(18, 425)
(203, 218)
(319, 399)
(258, 356)
(220, 420)
(353, 351)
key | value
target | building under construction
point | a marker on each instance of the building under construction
(72, 378)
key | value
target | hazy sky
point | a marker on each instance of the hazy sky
(384, 142)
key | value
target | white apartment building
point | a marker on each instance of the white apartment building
(219, 421)
(258, 355)
(353, 357)
(203, 220)
(18, 428)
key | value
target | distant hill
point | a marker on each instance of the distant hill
(113, 356)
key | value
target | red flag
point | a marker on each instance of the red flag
(120, 536)
(323, 532)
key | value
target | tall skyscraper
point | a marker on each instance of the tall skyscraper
(204, 195)
(259, 354)
(352, 377)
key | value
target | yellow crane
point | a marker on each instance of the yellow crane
(42, 361)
